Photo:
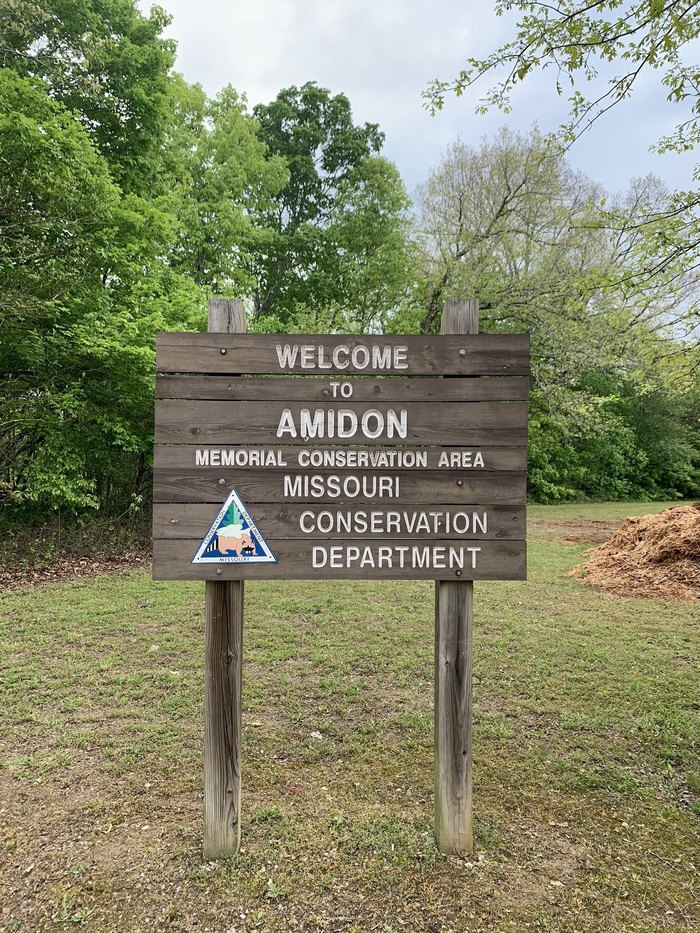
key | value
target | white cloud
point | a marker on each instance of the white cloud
(382, 54)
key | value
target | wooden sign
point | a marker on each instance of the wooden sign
(304, 456)
(340, 457)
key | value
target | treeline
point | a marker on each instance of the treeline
(127, 197)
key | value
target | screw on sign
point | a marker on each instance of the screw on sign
(416, 469)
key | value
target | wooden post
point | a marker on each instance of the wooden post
(454, 611)
(223, 669)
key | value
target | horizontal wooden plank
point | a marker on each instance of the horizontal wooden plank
(364, 389)
(481, 354)
(494, 522)
(422, 487)
(341, 459)
(407, 559)
(453, 423)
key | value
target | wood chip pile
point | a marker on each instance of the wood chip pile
(654, 556)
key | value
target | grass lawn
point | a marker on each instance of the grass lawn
(587, 777)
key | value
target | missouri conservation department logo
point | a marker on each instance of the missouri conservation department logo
(234, 538)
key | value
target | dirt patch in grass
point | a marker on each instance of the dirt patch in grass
(577, 530)
(14, 576)
(657, 555)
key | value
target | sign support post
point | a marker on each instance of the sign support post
(454, 615)
(223, 671)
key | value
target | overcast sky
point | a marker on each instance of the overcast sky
(382, 54)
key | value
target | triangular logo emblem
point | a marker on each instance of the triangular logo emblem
(234, 538)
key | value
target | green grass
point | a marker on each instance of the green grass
(587, 777)
(598, 511)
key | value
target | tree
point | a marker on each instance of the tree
(323, 149)
(578, 42)
(374, 265)
(511, 222)
(83, 289)
(220, 179)
(508, 222)
(105, 61)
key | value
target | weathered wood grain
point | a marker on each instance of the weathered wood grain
(486, 354)
(183, 456)
(223, 668)
(497, 560)
(426, 487)
(453, 423)
(365, 389)
(188, 520)
(222, 716)
(454, 610)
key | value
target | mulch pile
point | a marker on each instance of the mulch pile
(653, 556)
(65, 569)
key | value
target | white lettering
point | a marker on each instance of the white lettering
(345, 351)
(286, 424)
(360, 357)
(311, 425)
(381, 357)
(481, 521)
(292, 487)
(347, 423)
(367, 558)
(421, 558)
(473, 551)
(397, 425)
(417, 557)
(400, 354)
(287, 355)
(460, 523)
(372, 414)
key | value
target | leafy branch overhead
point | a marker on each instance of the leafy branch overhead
(580, 41)
(598, 54)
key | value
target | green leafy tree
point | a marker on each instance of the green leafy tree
(221, 177)
(371, 230)
(105, 61)
(83, 289)
(314, 132)
(508, 221)
(575, 41)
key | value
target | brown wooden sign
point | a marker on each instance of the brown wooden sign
(305, 456)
